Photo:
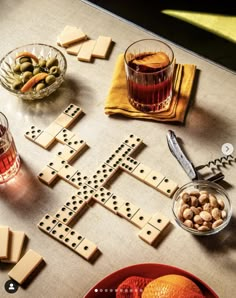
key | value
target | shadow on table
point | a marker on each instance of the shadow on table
(149, 16)
(222, 243)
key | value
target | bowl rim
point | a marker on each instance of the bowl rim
(213, 185)
(40, 92)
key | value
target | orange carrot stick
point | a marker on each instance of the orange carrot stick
(34, 80)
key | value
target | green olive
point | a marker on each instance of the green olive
(17, 84)
(26, 66)
(50, 79)
(25, 59)
(51, 62)
(40, 86)
(36, 70)
(26, 76)
(42, 62)
(55, 70)
(16, 68)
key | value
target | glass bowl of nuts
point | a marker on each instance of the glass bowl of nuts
(33, 71)
(202, 207)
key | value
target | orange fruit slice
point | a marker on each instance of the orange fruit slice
(172, 286)
(153, 60)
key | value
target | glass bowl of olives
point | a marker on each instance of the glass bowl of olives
(33, 71)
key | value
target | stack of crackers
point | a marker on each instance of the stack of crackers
(77, 43)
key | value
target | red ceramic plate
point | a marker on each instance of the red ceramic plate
(107, 286)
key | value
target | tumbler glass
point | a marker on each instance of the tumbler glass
(9, 157)
(149, 65)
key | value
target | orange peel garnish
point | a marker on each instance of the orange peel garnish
(33, 81)
(27, 54)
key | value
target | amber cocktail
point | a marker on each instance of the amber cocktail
(9, 158)
(149, 67)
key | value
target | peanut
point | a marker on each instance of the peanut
(203, 199)
(216, 213)
(201, 210)
(206, 216)
(217, 223)
(213, 201)
(188, 213)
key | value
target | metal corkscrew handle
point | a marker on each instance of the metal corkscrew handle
(177, 152)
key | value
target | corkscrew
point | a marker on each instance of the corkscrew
(218, 163)
(195, 172)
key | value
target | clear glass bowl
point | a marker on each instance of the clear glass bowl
(202, 185)
(7, 75)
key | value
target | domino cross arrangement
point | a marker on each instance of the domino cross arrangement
(90, 188)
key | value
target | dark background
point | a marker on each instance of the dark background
(148, 15)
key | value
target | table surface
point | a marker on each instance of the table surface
(210, 123)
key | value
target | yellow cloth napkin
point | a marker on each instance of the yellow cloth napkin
(117, 101)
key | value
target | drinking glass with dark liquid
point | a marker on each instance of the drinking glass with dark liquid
(9, 158)
(149, 65)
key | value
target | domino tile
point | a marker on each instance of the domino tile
(102, 195)
(114, 203)
(159, 221)
(154, 178)
(167, 187)
(86, 248)
(64, 136)
(65, 215)
(53, 129)
(47, 223)
(140, 218)
(141, 172)
(149, 234)
(127, 210)
(47, 175)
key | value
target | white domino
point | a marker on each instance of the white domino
(57, 163)
(64, 215)
(140, 218)
(60, 231)
(149, 234)
(45, 140)
(75, 204)
(129, 164)
(69, 115)
(123, 150)
(154, 178)
(77, 180)
(66, 172)
(47, 223)
(73, 239)
(86, 249)
(47, 175)
(33, 133)
(67, 153)
(114, 161)
(159, 221)
(76, 143)
(128, 210)
(53, 129)
(85, 192)
(133, 141)
(102, 195)
(114, 203)
(141, 171)
(167, 187)
(64, 136)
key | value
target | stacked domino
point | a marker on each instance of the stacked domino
(11, 247)
(77, 43)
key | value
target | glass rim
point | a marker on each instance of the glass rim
(6, 120)
(150, 73)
